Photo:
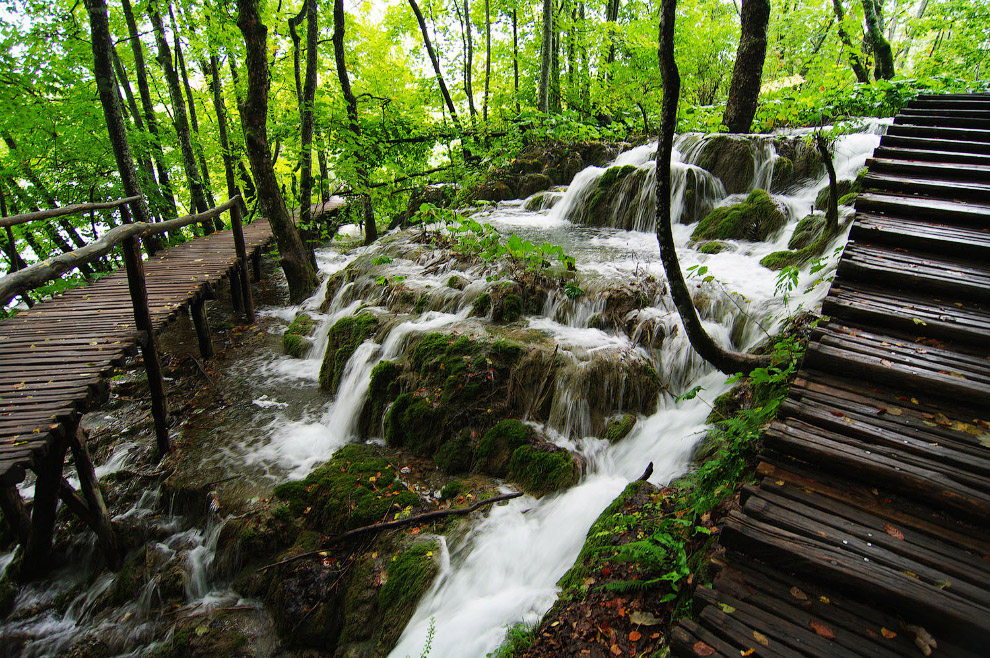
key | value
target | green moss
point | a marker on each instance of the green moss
(408, 576)
(414, 423)
(619, 428)
(455, 282)
(783, 173)
(756, 218)
(512, 308)
(452, 489)
(382, 390)
(848, 199)
(421, 303)
(542, 471)
(295, 345)
(498, 445)
(343, 339)
(302, 325)
(356, 487)
(603, 195)
(481, 304)
(842, 188)
(455, 455)
(807, 231)
(713, 247)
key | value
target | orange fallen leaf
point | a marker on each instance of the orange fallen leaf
(415, 531)
(634, 636)
(616, 651)
(701, 649)
(798, 594)
(892, 531)
(887, 633)
(747, 652)
(761, 638)
(822, 629)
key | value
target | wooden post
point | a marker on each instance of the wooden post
(202, 324)
(256, 264)
(90, 487)
(236, 299)
(15, 514)
(142, 321)
(38, 550)
(235, 223)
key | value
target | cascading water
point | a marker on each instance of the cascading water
(504, 569)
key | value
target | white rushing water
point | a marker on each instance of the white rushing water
(505, 568)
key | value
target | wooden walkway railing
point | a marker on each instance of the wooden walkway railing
(56, 357)
(869, 534)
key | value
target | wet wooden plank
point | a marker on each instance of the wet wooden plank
(930, 170)
(937, 189)
(911, 234)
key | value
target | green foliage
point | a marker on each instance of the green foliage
(518, 638)
(756, 218)
(343, 339)
(572, 290)
(512, 308)
(355, 488)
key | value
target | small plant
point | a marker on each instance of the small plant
(572, 290)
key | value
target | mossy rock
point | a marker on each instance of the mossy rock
(783, 174)
(409, 575)
(357, 487)
(455, 282)
(8, 595)
(512, 307)
(756, 219)
(600, 206)
(849, 199)
(541, 201)
(452, 489)
(414, 423)
(807, 231)
(343, 339)
(713, 247)
(730, 160)
(778, 260)
(842, 187)
(532, 183)
(544, 469)
(619, 428)
(481, 305)
(455, 455)
(498, 445)
(382, 390)
(295, 345)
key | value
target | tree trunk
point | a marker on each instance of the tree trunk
(306, 123)
(103, 68)
(515, 58)
(612, 18)
(555, 68)
(10, 248)
(546, 57)
(295, 258)
(854, 61)
(832, 212)
(726, 361)
(179, 117)
(221, 112)
(144, 164)
(469, 61)
(488, 59)
(436, 65)
(744, 91)
(157, 152)
(881, 47)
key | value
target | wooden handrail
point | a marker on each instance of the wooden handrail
(40, 273)
(14, 220)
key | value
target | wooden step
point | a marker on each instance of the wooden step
(905, 311)
(932, 155)
(932, 237)
(944, 613)
(928, 143)
(934, 189)
(940, 120)
(935, 132)
(939, 210)
(938, 275)
(930, 170)
(967, 113)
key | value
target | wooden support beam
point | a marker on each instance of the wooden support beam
(236, 290)
(256, 264)
(15, 514)
(238, 231)
(198, 312)
(90, 487)
(38, 550)
(149, 349)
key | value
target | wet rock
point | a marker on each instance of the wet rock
(807, 231)
(542, 201)
(295, 340)
(619, 428)
(532, 183)
(757, 219)
(843, 187)
(343, 339)
(731, 160)
(713, 247)
(783, 175)
(543, 468)
(806, 163)
(407, 578)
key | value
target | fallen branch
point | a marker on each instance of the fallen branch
(52, 213)
(378, 527)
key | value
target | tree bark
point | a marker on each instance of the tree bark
(612, 18)
(515, 57)
(221, 112)
(10, 248)
(854, 61)
(726, 361)
(306, 110)
(294, 257)
(488, 59)
(744, 91)
(469, 60)
(881, 47)
(832, 211)
(179, 117)
(141, 73)
(145, 167)
(546, 57)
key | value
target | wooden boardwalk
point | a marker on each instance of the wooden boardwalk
(870, 530)
(55, 358)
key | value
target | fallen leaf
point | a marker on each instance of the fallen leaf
(821, 629)
(798, 594)
(415, 531)
(824, 599)
(634, 636)
(726, 608)
(761, 638)
(701, 649)
(922, 639)
(747, 652)
(894, 411)
(892, 531)
(643, 618)
(616, 651)
(887, 633)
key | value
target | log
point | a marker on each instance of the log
(391, 525)
(14, 220)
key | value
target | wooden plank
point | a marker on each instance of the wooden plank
(961, 146)
(940, 120)
(928, 169)
(937, 189)
(931, 154)
(945, 134)
(687, 635)
(943, 239)
(940, 210)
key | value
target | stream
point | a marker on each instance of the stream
(503, 570)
